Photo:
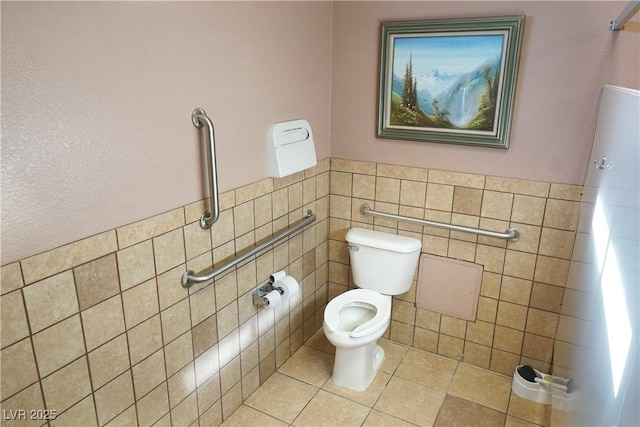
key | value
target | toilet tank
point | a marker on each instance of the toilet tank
(382, 262)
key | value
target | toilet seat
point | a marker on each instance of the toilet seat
(382, 304)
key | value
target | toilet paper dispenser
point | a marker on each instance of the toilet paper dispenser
(279, 288)
(291, 148)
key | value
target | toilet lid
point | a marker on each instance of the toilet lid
(382, 303)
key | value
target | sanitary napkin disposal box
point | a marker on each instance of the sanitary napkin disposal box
(291, 148)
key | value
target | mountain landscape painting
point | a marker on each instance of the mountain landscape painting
(447, 82)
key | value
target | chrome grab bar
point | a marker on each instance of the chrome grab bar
(201, 120)
(510, 234)
(190, 278)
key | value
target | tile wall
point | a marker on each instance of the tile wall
(101, 331)
(523, 282)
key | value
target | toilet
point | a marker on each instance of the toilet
(382, 265)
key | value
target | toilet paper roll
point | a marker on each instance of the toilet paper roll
(273, 299)
(289, 286)
(277, 276)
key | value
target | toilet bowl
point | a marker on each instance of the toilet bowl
(382, 265)
(353, 322)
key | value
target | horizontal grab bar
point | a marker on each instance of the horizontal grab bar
(510, 234)
(190, 278)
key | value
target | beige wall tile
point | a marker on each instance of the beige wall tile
(103, 322)
(176, 320)
(51, 300)
(467, 200)
(566, 192)
(168, 250)
(387, 190)
(196, 240)
(179, 352)
(537, 347)
(403, 311)
(517, 186)
(508, 339)
(503, 362)
(52, 262)
(497, 205)
(254, 190)
(511, 315)
(153, 406)
(31, 397)
(491, 258)
(181, 385)
(10, 277)
(487, 309)
(67, 386)
(480, 332)
(82, 413)
(222, 231)
(144, 339)
(541, 322)
(18, 368)
(170, 289)
(114, 397)
(450, 347)
(453, 326)
(341, 183)
(562, 214)
(353, 166)
(552, 271)
(58, 345)
(186, 412)
(519, 264)
(491, 283)
(439, 197)
(149, 228)
(413, 193)
(547, 297)
(456, 178)
(149, 373)
(109, 361)
(364, 186)
(529, 238)
(528, 209)
(556, 243)
(96, 281)
(465, 251)
(136, 264)
(515, 290)
(13, 318)
(140, 303)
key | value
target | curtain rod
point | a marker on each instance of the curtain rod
(618, 24)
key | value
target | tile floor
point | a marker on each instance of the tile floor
(413, 387)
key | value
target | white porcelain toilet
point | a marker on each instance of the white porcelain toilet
(382, 265)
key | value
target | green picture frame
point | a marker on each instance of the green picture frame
(449, 81)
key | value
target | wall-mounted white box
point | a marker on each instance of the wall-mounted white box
(291, 148)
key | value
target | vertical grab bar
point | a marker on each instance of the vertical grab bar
(201, 120)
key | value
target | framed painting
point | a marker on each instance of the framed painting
(449, 81)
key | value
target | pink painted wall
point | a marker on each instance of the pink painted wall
(97, 100)
(568, 54)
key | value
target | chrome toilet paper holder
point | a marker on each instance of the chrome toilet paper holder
(260, 295)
